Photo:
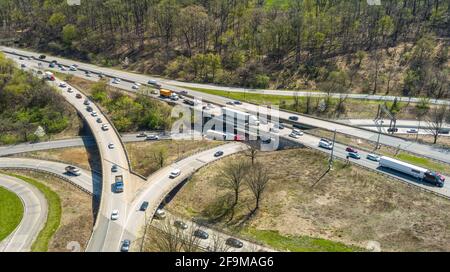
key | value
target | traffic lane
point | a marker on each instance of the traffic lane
(110, 201)
(340, 152)
(407, 131)
(159, 185)
(30, 147)
(34, 217)
(144, 79)
(90, 182)
(208, 244)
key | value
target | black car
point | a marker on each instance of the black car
(189, 102)
(144, 206)
(279, 126)
(201, 234)
(392, 130)
(218, 154)
(234, 243)
(293, 118)
(42, 57)
(237, 102)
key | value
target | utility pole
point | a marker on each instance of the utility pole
(330, 162)
(379, 133)
(145, 232)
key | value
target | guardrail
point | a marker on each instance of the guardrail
(16, 168)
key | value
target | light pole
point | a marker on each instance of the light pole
(379, 132)
(418, 129)
(330, 162)
(145, 231)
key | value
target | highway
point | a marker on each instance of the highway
(88, 181)
(159, 185)
(87, 141)
(288, 93)
(107, 233)
(128, 80)
(164, 185)
(34, 217)
(155, 191)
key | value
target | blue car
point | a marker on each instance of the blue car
(353, 155)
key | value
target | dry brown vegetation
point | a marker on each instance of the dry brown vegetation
(79, 156)
(142, 154)
(349, 205)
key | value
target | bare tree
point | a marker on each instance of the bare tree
(436, 121)
(296, 99)
(166, 237)
(160, 156)
(257, 181)
(252, 150)
(217, 244)
(232, 177)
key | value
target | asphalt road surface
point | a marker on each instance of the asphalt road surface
(107, 233)
(34, 217)
(288, 93)
(128, 80)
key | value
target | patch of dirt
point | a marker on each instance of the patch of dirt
(142, 154)
(350, 205)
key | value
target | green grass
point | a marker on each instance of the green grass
(299, 243)
(426, 163)
(53, 215)
(11, 212)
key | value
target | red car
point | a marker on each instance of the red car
(351, 150)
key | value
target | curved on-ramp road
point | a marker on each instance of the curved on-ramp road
(34, 216)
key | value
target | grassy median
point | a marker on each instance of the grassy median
(11, 212)
(53, 215)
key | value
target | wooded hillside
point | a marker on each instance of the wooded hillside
(254, 43)
(27, 103)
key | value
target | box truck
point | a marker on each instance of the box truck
(165, 93)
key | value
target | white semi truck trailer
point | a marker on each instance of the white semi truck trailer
(417, 172)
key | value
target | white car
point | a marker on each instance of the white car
(297, 132)
(116, 80)
(373, 157)
(62, 85)
(105, 127)
(63, 68)
(111, 146)
(73, 68)
(70, 90)
(160, 214)
(115, 215)
(94, 114)
(135, 87)
(152, 137)
(295, 136)
(325, 144)
(274, 130)
(175, 173)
